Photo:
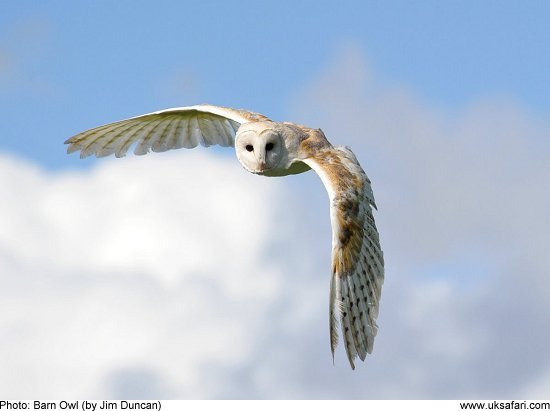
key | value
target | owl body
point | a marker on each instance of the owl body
(276, 149)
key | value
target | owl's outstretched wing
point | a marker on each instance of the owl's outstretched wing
(164, 130)
(357, 259)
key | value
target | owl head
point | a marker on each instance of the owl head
(260, 147)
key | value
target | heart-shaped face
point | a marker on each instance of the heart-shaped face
(260, 147)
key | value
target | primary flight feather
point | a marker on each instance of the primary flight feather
(272, 149)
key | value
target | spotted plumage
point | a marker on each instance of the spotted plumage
(357, 259)
(275, 149)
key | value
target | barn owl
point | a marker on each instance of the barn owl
(272, 149)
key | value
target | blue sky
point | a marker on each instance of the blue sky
(113, 264)
(68, 66)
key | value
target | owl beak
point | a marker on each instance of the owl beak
(261, 167)
(260, 159)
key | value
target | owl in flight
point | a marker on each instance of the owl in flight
(273, 149)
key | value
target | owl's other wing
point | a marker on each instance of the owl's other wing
(357, 259)
(164, 130)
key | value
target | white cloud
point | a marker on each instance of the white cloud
(159, 264)
(180, 275)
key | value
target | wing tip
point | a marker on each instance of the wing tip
(72, 148)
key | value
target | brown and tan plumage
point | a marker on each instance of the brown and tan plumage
(274, 149)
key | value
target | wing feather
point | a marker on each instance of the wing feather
(144, 137)
(195, 135)
(165, 136)
(159, 135)
(357, 259)
(164, 130)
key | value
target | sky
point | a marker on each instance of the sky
(179, 275)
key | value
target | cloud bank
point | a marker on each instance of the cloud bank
(182, 276)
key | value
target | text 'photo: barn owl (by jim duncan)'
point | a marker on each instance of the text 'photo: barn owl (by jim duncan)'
(276, 149)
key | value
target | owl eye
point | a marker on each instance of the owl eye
(249, 147)
(269, 146)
